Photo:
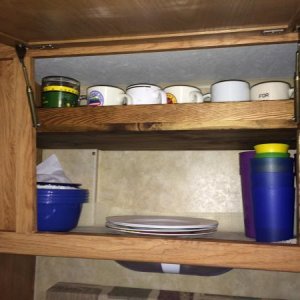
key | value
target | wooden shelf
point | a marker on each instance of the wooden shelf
(206, 126)
(203, 252)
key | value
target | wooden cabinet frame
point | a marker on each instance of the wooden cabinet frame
(20, 237)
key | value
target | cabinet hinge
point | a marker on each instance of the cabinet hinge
(21, 52)
(273, 31)
(46, 47)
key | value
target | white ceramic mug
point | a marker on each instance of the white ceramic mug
(230, 91)
(272, 90)
(145, 94)
(183, 94)
(104, 95)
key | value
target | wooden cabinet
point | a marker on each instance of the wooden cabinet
(130, 28)
(169, 127)
(17, 177)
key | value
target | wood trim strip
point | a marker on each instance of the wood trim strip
(10, 40)
(205, 252)
(167, 140)
(160, 36)
(25, 181)
(81, 48)
(234, 115)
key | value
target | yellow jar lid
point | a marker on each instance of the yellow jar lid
(271, 147)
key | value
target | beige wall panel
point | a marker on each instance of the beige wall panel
(188, 183)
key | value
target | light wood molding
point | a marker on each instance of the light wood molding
(168, 127)
(18, 152)
(230, 115)
(204, 252)
(25, 155)
(7, 141)
(162, 44)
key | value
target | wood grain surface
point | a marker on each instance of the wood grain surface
(17, 137)
(230, 115)
(167, 140)
(16, 176)
(238, 125)
(135, 44)
(25, 155)
(110, 19)
(17, 277)
(7, 141)
(203, 252)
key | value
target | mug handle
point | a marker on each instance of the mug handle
(207, 97)
(291, 92)
(127, 100)
(163, 97)
(197, 96)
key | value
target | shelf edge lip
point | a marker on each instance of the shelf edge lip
(198, 40)
(218, 253)
(143, 118)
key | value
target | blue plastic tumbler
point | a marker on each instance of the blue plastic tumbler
(273, 194)
(245, 173)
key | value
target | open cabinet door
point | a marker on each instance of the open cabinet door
(17, 176)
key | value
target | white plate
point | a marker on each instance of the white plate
(166, 230)
(171, 234)
(162, 222)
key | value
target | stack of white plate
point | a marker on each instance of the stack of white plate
(162, 225)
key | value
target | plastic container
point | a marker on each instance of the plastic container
(244, 161)
(272, 179)
(60, 91)
(273, 195)
(274, 213)
(271, 147)
(272, 164)
(271, 154)
(59, 210)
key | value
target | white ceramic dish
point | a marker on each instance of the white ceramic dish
(166, 234)
(171, 230)
(160, 222)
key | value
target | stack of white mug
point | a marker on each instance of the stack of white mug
(239, 90)
(222, 91)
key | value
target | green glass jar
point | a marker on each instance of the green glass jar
(60, 91)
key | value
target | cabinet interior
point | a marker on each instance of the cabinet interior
(181, 127)
(206, 126)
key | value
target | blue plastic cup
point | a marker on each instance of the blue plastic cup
(273, 194)
(244, 160)
(273, 213)
(272, 164)
(272, 179)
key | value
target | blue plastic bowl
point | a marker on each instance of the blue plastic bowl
(59, 210)
(57, 195)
